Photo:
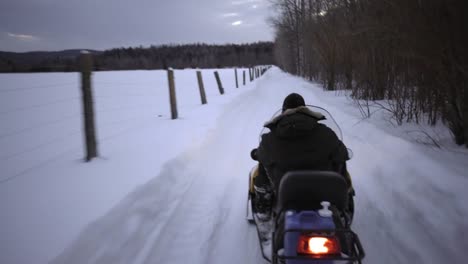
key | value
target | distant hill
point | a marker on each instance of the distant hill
(154, 57)
(37, 60)
(37, 56)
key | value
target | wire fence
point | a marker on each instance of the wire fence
(25, 108)
(133, 103)
(45, 86)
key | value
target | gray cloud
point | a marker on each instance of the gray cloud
(22, 37)
(102, 24)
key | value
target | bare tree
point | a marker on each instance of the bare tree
(411, 53)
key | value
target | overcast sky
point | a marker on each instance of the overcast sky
(27, 25)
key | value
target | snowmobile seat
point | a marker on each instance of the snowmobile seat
(305, 190)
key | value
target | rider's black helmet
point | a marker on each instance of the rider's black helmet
(293, 100)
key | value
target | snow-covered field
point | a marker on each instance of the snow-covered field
(166, 191)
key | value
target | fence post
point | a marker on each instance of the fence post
(201, 87)
(218, 80)
(172, 93)
(251, 74)
(86, 65)
(243, 78)
(237, 82)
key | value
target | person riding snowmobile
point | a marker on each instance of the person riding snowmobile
(296, 141)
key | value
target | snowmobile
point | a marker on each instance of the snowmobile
(312, 215)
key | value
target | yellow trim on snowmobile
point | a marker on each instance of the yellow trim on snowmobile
(253, 174)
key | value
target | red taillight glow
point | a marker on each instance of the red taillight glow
(318, 245)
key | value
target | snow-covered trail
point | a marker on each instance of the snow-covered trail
(194, 210)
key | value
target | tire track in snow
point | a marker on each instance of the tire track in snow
(122, 234)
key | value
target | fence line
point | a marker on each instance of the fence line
(32, 128)
(124, 83)
(56, 157)
(88, 100)
(72, 132)
(121, 95)
(19, 109)
(37, 87)
(39, 146)
(120, 108)
(126, 120)
(42, 164)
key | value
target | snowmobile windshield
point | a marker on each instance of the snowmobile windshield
(329, 121)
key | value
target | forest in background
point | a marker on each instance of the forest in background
(149, 58)
(412, 54)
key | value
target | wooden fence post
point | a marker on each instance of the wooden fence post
(86, 64)
(201, 87)
(243, 77)
(172, 93)
(237, 82)
(218, 80)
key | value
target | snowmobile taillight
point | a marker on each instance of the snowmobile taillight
(318, 245)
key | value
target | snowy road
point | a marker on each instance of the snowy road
(410, 207)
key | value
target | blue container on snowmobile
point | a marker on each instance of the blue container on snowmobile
(305, 220)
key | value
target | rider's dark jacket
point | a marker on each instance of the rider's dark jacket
(297, 141)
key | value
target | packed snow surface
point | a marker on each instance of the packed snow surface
(174, 191)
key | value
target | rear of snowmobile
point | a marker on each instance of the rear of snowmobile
(311, 221)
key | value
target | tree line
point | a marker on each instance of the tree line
(149, 58)
(413, 54)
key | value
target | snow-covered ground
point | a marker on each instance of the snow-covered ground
(189, 206)
(47, 193)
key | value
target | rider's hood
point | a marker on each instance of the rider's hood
(301, 109)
